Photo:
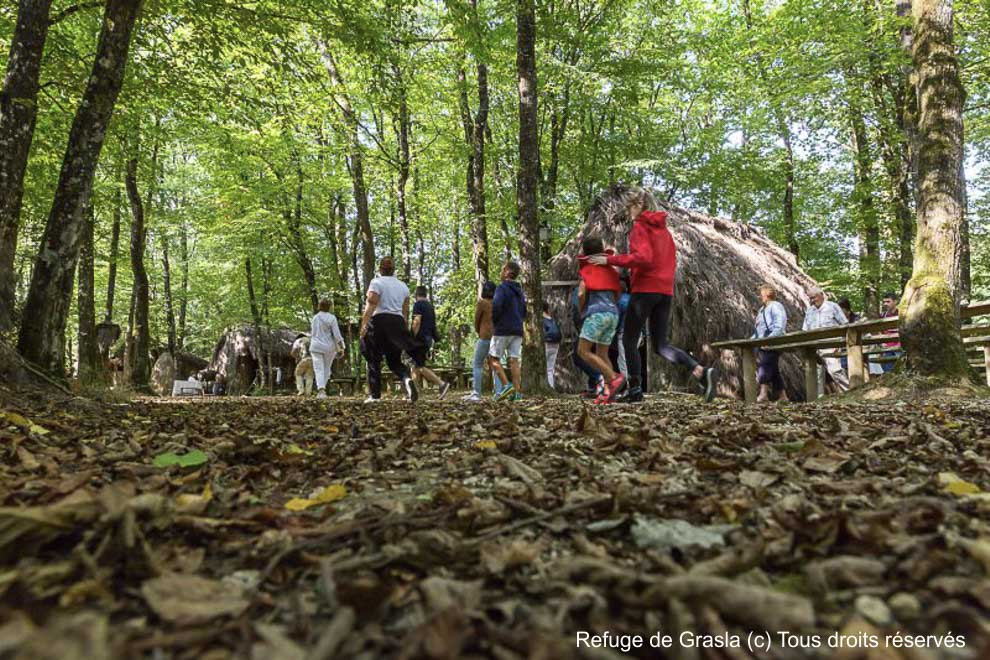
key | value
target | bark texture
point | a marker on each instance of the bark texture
(18, 112)
(90, 361)
(137, 353)
(929, 314)
(527, 180)
(46, 308)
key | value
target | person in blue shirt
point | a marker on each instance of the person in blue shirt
(508, 314)
(771, 321)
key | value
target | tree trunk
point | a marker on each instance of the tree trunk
(169, 304)
(404, 160)
(114, 249)
(908, 118)
(256, 321)
(184, 283)
(90, 361)
(869, 227)
(18, 111)
(527, 180)
(293, 220)
(355, 164)
(929, 319)
(138, 358)
(474, 136)
(46, 308)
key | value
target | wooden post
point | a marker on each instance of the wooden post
(986, 361)
(854, 358)
(810, 374)
(749, 374)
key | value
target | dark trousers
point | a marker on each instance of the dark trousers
(387, 338)
(768, 370)
(651, 310)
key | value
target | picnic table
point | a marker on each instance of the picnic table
(860, 343)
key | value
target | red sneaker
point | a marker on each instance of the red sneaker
(615, 387)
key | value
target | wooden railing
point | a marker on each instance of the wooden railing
(851, 340)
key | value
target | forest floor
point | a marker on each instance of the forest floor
(285, 529)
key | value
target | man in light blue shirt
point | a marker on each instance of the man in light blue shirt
(825, 314)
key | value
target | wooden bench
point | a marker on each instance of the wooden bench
(849, 341)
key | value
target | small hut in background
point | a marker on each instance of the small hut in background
(167, 370)
(238, 356)
(720, 264)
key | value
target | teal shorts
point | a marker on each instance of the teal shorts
(600, 327)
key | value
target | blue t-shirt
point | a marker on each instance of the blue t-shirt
(428, 320)
(599, 302)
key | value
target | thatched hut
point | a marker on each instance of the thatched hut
(238, 357)
(720, 264)
(166, 369)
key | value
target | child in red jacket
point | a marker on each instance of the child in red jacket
(652, 264)
(598, 295)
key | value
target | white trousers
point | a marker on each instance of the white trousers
(623, 369)
(322, 362)
(834, 368)
(551, 351)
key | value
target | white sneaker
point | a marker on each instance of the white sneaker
(321, 395)
(472, 397)
(371, 399)
(411, 390)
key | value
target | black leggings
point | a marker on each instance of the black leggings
(653, 308)
(387, 338)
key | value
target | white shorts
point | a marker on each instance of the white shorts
(506, 344)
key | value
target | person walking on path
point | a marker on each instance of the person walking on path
(384, 334)
(508, 314)
(652, 263)
(771, 321)
(424, 331)
(823, 313)
(325, 342)
(551, 342)
(598, 294)
(483, 326)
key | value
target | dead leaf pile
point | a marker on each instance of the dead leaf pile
(288, 529)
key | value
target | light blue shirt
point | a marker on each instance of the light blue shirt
(827, 316)
(772, 317)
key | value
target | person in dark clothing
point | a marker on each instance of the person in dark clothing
(508, 314)
(424, 330)
(652, 262)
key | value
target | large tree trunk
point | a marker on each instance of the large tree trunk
(527, 180)
(138, 348)
(114, 249)
(46, 308)
(929, 320)
(90, 361)
(869, 227)
(18, 111)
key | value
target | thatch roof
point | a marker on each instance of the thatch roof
(238, 355)
(720, 264)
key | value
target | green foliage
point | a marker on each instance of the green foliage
(237, 127)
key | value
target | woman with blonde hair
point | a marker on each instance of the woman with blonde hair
(771, 321)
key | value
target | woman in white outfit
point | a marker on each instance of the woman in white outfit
(325, 341)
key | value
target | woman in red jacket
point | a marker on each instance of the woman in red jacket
(652, 264)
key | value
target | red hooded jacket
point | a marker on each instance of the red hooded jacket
(599, 278)
(652, 258)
